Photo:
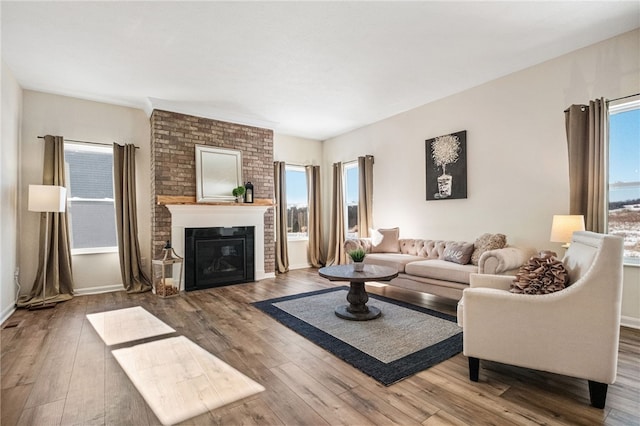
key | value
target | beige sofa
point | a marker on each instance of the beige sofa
(422, 267)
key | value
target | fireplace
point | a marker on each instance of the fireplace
(218, 256)
(227, 215)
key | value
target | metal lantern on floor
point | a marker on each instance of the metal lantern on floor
(166, 282)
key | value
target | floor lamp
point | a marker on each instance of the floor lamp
(46, 199)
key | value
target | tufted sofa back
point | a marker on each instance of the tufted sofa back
(430, 249)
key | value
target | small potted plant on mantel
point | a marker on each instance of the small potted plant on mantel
(358, 256)
(238, 192)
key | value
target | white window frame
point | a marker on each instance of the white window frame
(93, 250)
(89, 148)
(298, 236)
(623, 105)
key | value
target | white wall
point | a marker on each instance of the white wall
(9, 161)
(516, 152)
(631, 297)
(302, 152)
(88, 121)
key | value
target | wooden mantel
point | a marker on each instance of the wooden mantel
(179, 199)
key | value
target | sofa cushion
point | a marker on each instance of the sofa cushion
(385, 240)
(393, 260)
(441, 270)
(458, 253)
(356, 243)
(487, 242)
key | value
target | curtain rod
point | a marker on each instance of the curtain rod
(623, 97)
(611, 100)
(87, 142)
(298, 165)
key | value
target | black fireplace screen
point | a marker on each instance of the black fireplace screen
(218, 256)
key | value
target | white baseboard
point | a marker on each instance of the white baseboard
(630, 322)
(265, 275)
(6, 313)
(97, 290)
(299, 266)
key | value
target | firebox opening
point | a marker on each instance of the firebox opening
(218, 256)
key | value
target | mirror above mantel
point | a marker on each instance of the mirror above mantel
(218, 172)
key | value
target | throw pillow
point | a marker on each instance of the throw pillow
(458, 253)
(487, 242)
(385, 240)
(542, 274)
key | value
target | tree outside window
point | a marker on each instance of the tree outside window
(297, 203)
(351, 199)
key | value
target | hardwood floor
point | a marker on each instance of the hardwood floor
(57, 371)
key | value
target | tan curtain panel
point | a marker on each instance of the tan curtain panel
(134, 279)
(280, 189)
(316, 246)
(337, 255)
(365, 195)
(587, 136)
(59, 285)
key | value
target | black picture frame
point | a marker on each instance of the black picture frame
(446, 166)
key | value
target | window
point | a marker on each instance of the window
(624, 177)
(91, 206)
(351, 198)
(297, 203)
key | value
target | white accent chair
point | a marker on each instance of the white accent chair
(574, 332)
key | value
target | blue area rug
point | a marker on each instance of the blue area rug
(406, 338)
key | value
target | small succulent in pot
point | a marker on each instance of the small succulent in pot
(238, 192)
(357, 255)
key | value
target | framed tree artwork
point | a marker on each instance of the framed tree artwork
(447, 166)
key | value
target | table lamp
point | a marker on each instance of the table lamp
(46, 199)
(564, 226)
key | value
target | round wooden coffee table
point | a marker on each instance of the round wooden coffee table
(357, 309)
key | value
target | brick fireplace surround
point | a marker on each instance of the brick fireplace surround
(173, 170)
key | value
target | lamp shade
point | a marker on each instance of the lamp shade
(564, 226)
(47, 198)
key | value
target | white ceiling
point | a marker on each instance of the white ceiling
(310, 69)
